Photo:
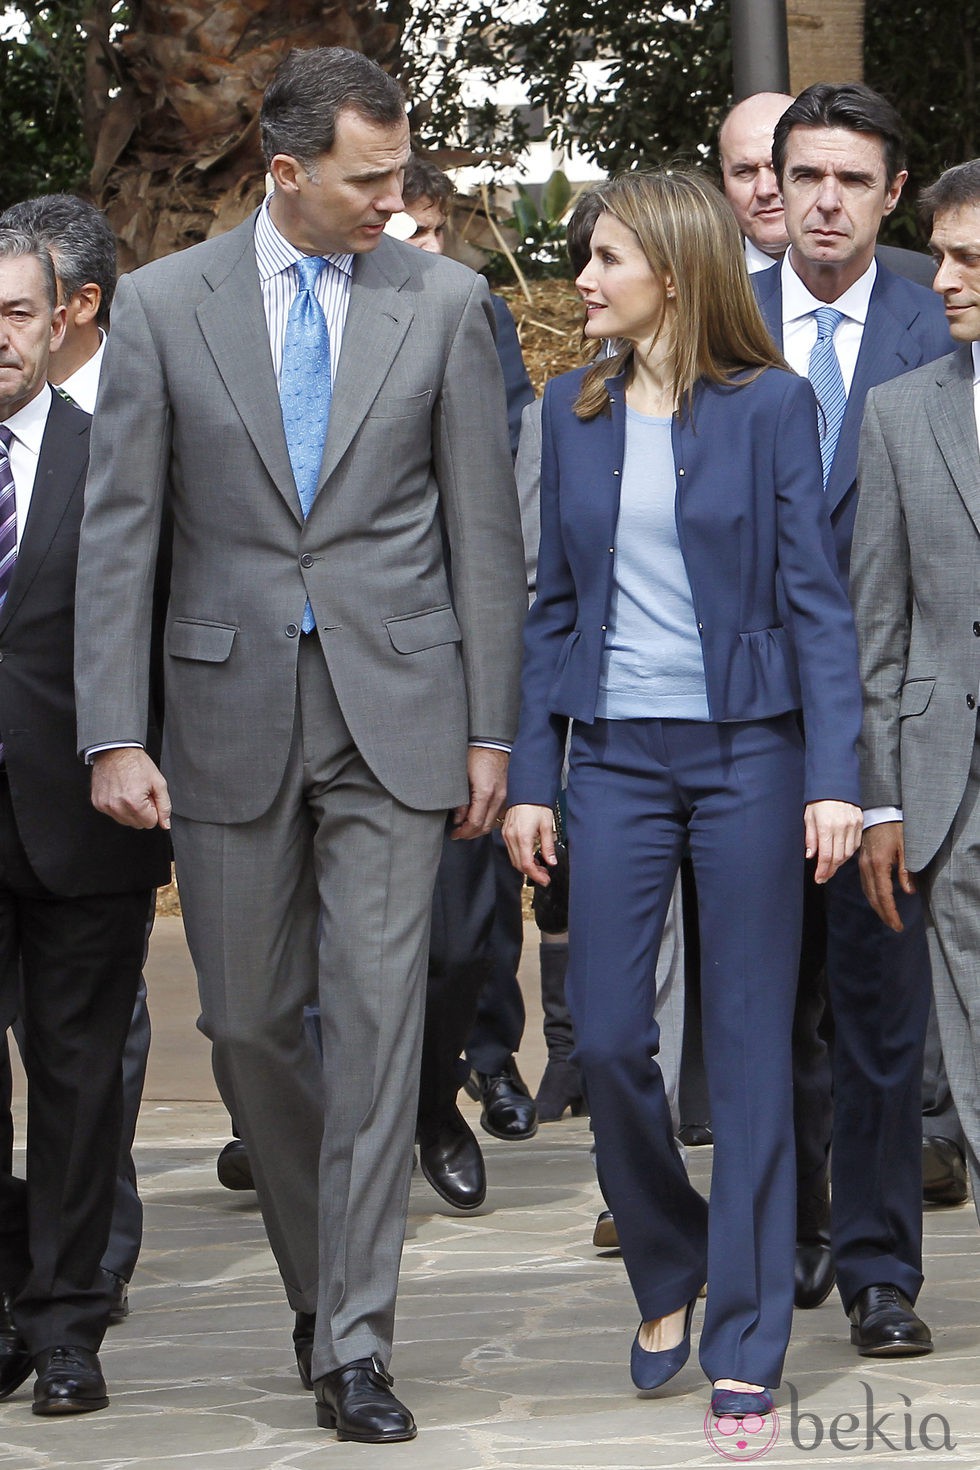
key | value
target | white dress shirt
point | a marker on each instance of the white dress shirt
(800, 324)
(82, 386)
(757, 260)
(276, 259)
(27, 426)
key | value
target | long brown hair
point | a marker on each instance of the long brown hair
(688, 235)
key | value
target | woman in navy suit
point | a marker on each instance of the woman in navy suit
(687, 612)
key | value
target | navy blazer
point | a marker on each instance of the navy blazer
(906, 327)
(755, 537)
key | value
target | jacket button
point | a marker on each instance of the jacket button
(976, 630)
(292, 629)
(680, 472)
(306, 560)
(970, 702)
(603, 629)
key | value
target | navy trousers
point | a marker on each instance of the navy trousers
(637, 791)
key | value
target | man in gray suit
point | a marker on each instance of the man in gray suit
(310, 772)
(915, 571)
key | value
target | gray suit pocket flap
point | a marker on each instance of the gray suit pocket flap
(209, 642)
(916, 695)
(412, 633)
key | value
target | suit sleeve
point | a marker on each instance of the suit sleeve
(475, 476)
(820, 617)
(881, 593)
(536, 760)
(120, 533)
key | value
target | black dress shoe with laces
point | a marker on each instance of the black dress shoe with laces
(943, 1172)
(884, 1325)
(451, 1160)
(69, 1381)
(508, 1108)
(118, 1290)
(303, 1333)
(16, 1363)
(234, 1167)
(357, 1401)
(815, 1273)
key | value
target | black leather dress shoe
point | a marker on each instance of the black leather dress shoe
(605, 1236)
(695, 1135)
(883, 1324)
(234, 1168)
(815, 1273)
(508, 1108)
(16, 1363)
(119, 1297)
(303, 1343)
(357, 1401)
(69, 1381)
(943, 1172)
(450, 1158)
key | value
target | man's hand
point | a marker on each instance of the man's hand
(528, 830)
(127, 786)
(833, 834)
(882, 864)
(487, 772)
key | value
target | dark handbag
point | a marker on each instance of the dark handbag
(550, 905)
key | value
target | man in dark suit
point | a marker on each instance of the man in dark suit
(322, 409)
(75, 889)
(849, 323)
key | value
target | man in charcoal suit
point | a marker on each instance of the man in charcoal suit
(849, 323)
(75, 888)
(327, 699)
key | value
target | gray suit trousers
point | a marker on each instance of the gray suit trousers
(331, 1151)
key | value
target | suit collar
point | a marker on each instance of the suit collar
(952, 416)
(60, 471)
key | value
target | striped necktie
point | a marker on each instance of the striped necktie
(8, 522)
(305, 389)
(828, 384)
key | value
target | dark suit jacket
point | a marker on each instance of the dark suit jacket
(517, 384)
(73, 849)
(905, 327)
(753, 530)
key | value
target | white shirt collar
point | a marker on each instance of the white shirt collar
(799, 302)
(976, 364)
(757, 260)
(83, 384)
(274, 253)
(28, 424)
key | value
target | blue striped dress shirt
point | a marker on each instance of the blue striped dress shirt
(279, 279)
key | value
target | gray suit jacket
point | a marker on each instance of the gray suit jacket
(915, 577)
(416, 460)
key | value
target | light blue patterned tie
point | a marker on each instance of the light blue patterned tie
(305, 389)
(828, 384)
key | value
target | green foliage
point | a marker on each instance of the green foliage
(41, 87)
(541, 251)
(924, 57)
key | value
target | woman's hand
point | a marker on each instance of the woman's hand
(833, 834)
(526, 830)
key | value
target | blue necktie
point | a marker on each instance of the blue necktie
(8, 522)
(305, 389)
(828, 384)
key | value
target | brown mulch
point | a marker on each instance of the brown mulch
(549, 326)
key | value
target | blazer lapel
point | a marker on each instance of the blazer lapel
(378, 317)
(60, 471)
(233, 322)
(769, 294)
(949, 405)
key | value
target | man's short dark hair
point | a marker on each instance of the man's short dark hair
(301, 103)
(850, 105)
(17, 245)
(80, 238)
(578, 232)
(423, 180)
(957, 188)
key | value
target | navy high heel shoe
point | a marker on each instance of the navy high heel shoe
(650, 1370)
(737, 1404)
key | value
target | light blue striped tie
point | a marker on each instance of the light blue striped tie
(305, 389)
(828, 384)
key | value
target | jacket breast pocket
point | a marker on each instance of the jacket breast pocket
(414, 632)
(192, 638)
(395, 406)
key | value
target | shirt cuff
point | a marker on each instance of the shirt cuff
(92, 751)
(875, 815)
(490, 745)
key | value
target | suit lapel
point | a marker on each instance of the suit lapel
(769, 294)
(377, 319)
(60, 469)
(949, 405)
(233, 322)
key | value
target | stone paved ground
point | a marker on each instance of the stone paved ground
(513, 1332)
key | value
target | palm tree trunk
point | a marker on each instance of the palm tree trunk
(826, 41)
